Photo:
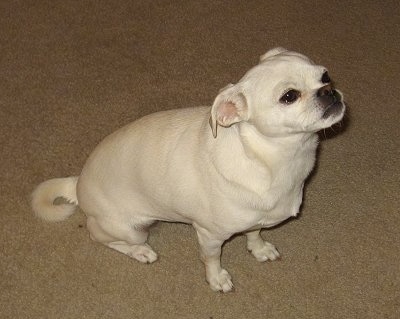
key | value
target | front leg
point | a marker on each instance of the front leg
(210, 253)
(261, 249)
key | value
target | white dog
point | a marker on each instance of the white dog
(245, 173)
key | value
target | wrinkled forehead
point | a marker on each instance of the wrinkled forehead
(288, 68)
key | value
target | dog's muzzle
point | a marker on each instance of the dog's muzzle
(330, 101)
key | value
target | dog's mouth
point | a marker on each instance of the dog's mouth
(331, 103)
(333, 109)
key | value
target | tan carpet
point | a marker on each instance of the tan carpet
(71, 72)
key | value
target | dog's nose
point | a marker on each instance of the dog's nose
(325, 90)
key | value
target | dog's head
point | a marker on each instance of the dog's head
(286, 93)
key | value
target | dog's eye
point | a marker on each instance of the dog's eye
(290, 97)
(325, 78)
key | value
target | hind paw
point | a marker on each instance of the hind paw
(143, 253)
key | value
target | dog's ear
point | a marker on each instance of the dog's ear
(230, 107)
(271, 53)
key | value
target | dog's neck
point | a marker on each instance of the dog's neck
(274, 150)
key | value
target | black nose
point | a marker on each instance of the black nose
(326, 90)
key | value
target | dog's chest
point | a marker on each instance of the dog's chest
(284, 205)
(264, 186)
(284, 195)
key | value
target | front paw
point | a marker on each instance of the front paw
(264, 252)
(221, 281)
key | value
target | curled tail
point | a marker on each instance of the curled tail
(55, 199)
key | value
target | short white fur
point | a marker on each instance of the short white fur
(243, 174)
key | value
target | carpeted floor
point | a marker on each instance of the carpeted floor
(71, 72)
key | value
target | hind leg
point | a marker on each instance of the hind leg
(143, 252)
(127, 239)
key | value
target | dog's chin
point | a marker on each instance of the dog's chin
(326, 117)
(335, 110)
(332, 114)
